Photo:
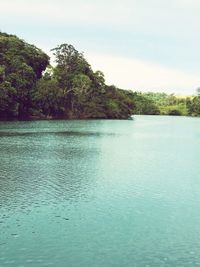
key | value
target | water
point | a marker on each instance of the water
(100, 193)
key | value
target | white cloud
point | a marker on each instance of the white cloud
(171, 23)
(164, 19)
(144, 15)
(77, 10)
(140, 75)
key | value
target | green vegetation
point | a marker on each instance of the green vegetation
(31, 88)
(194, 106)
(21, 65)
(161, 104)
(144, 105)
(169, 104)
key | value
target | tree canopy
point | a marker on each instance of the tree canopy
(21, 65)
(31, 88)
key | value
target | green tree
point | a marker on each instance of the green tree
(21, 65)
(48, 99)
(29, 86)
(194, 106)
(8, 101)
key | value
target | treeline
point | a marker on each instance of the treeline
(31, 88)
(194, 106)
(169, 104)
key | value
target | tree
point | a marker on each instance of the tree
(48, 99)
(70, 63)
(194, 106)
(8, 101)
(81, 85)
(30, 87)
(21, 65)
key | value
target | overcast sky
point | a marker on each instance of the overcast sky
(145, 45)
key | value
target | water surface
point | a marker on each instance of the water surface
(100, 192)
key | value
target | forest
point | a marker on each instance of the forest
(30, 88)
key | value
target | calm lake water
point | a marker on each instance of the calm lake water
(100, 192)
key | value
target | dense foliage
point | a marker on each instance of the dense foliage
(144, 105)
(194, 106)
(169, 104)
(21, 65)
(31, 88)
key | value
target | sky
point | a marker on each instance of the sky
(140, 45)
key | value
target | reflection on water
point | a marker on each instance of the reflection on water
(65, 133)
(100, 193)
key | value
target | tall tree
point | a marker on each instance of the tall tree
(21, 64)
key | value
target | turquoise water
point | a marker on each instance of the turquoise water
(100, 193)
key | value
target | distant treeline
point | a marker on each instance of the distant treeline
(169, 104)
(31, 88)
